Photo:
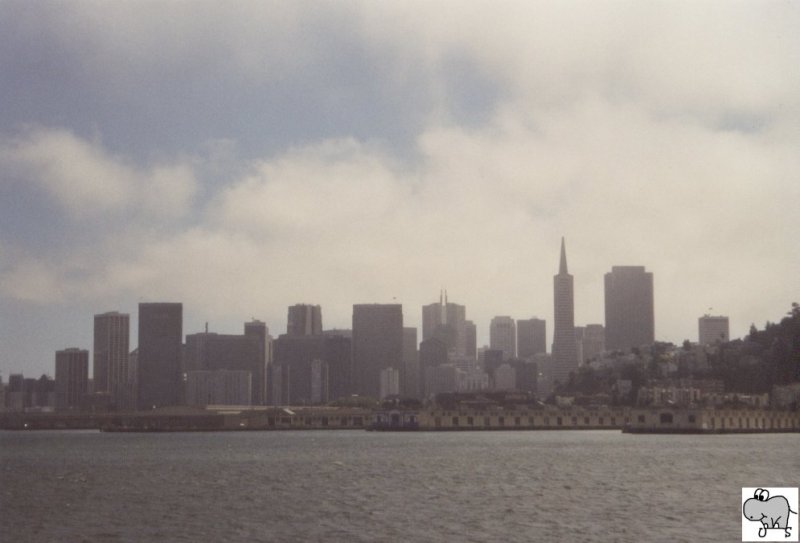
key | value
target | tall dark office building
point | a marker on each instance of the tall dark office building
(304, 320)
(377, 344)
(338, 357)
(565, 351)
(72, 377)
(446, 321)
(228, 352)
(111, 349)
(470, 340)
(531, 337)
(630, 317)
(258, 330)
(159, 356)
(312, 369)
(411, 373)
(15, 392)
(432, 354)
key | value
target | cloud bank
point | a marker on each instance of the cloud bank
(242, 160)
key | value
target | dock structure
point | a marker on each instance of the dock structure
(519, 418)
(704, 420)
(209, 419)
(637, 420)
(630, 420)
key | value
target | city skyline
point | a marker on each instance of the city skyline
(378, 152)
(315, 309)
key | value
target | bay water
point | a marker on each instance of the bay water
(353, 486)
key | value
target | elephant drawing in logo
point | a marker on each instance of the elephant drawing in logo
(770, 512)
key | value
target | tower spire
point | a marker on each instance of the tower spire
(562, 268)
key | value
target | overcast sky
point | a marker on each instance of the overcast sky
(242, 157)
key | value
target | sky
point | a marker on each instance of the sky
(241, 157)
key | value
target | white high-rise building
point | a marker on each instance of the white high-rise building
(503, 336)
(110, 367)
(390, 382)
(713, 329)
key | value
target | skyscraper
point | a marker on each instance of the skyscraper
(310, 369)
(228, 352)
(432, 354)
(594, 341)
(219, 387)
(503, 336)
(470, 340)
(110, 367)
(630, 318)
(15, 393)
(711, 330)
(72, 377)
(447, 321)
(411, 373)
(377, 344)
(159, 357)
(531, 337)
(258, 330)
(304, 320)
(565, 352)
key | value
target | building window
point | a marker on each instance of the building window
(574, 421)
(641, 418)
(692, 418)
(470, 421)
(437, 421)
(600, 421)
(665, 418)
(516, 421)
(586, 420)
(559, 421)
(501, 421)
(455, 421)
(487, 422)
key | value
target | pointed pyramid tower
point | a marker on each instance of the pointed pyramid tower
(565, 349)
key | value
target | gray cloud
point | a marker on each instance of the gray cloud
(243, 159)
